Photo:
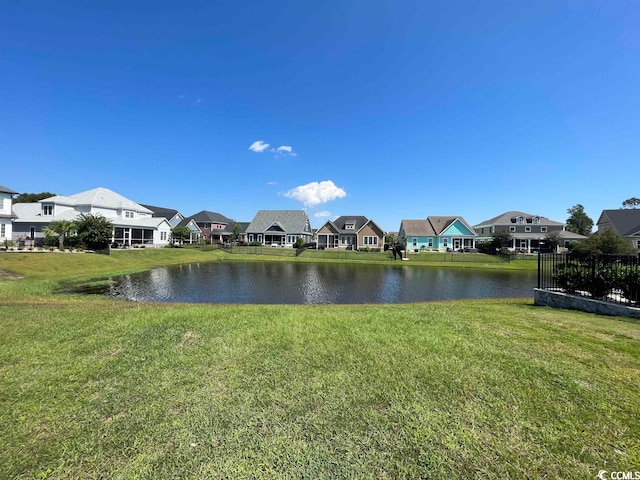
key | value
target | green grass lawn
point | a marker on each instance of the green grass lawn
(99, 388)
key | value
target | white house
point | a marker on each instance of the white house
(133, 223)
(6, 213)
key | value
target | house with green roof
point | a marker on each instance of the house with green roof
(279, 228)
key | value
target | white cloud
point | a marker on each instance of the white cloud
(258, 146)
(272, 183)
(315, 193)
(323, 214)
(286, 149)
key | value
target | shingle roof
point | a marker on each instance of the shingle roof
(291, 221)
(98, 197)
(4, 189)
(625, 221)
(508, 218)
(32, 212)
(205, 216)
(421, 228)
(441, 223)
(167, 213)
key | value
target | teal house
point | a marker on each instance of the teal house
(437, 234)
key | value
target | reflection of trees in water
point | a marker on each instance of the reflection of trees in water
(283, 282)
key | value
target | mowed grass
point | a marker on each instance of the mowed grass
(98, 388)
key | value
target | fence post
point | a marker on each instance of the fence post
(539, 270)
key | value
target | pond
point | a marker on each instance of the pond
(309, 283)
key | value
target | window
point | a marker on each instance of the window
(445, 242)
(492, 229)
(251, 237)
(414, 241)
(350, 226)
(543, 229)
(371, 240)
(2, 230)
(47, 209)
(163, 236)
(512, 229)
(536, 220)
(32, 232)
(430, 243)
(638, 243)
(527, 229)
(128, 214)
(519, 220)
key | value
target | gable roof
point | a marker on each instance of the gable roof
(32, 212)
(206, 216)
(442, 223)
(98, 197)
(167, 213)
(4, 189)
(625, 221)
(508, 218)
(417, 228)
(291, 221)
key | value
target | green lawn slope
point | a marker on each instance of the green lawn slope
(99, 388)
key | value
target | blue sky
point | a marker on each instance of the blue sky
(388, 109)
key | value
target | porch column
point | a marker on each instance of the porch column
(130, 233)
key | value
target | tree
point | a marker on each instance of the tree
(553, 239)
(607, 243)
(632, 202)
(501, 240)
(32, 197)
(180, 234)
(578, 221)
(62, 228)
(94, 231)
(236, 232)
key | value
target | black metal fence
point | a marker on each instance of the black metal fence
(613, 278)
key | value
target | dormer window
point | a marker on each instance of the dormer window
(519, 220)
(47, 209)
(128, 214)
(536, 220)
(350, 226)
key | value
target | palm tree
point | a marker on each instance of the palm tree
(62, 228)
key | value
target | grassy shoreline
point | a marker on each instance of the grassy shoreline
(99, 388)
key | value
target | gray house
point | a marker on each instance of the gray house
(528, 232)
(279, 228)
(625, 222)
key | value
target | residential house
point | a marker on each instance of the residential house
(134, 224)
(174, 217)
(279, 227)
(528, 232)
(6, 213)
(350, 232)
(212, 227)
(437, 233)
(625, 222)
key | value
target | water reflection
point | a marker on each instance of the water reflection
(307, 283)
